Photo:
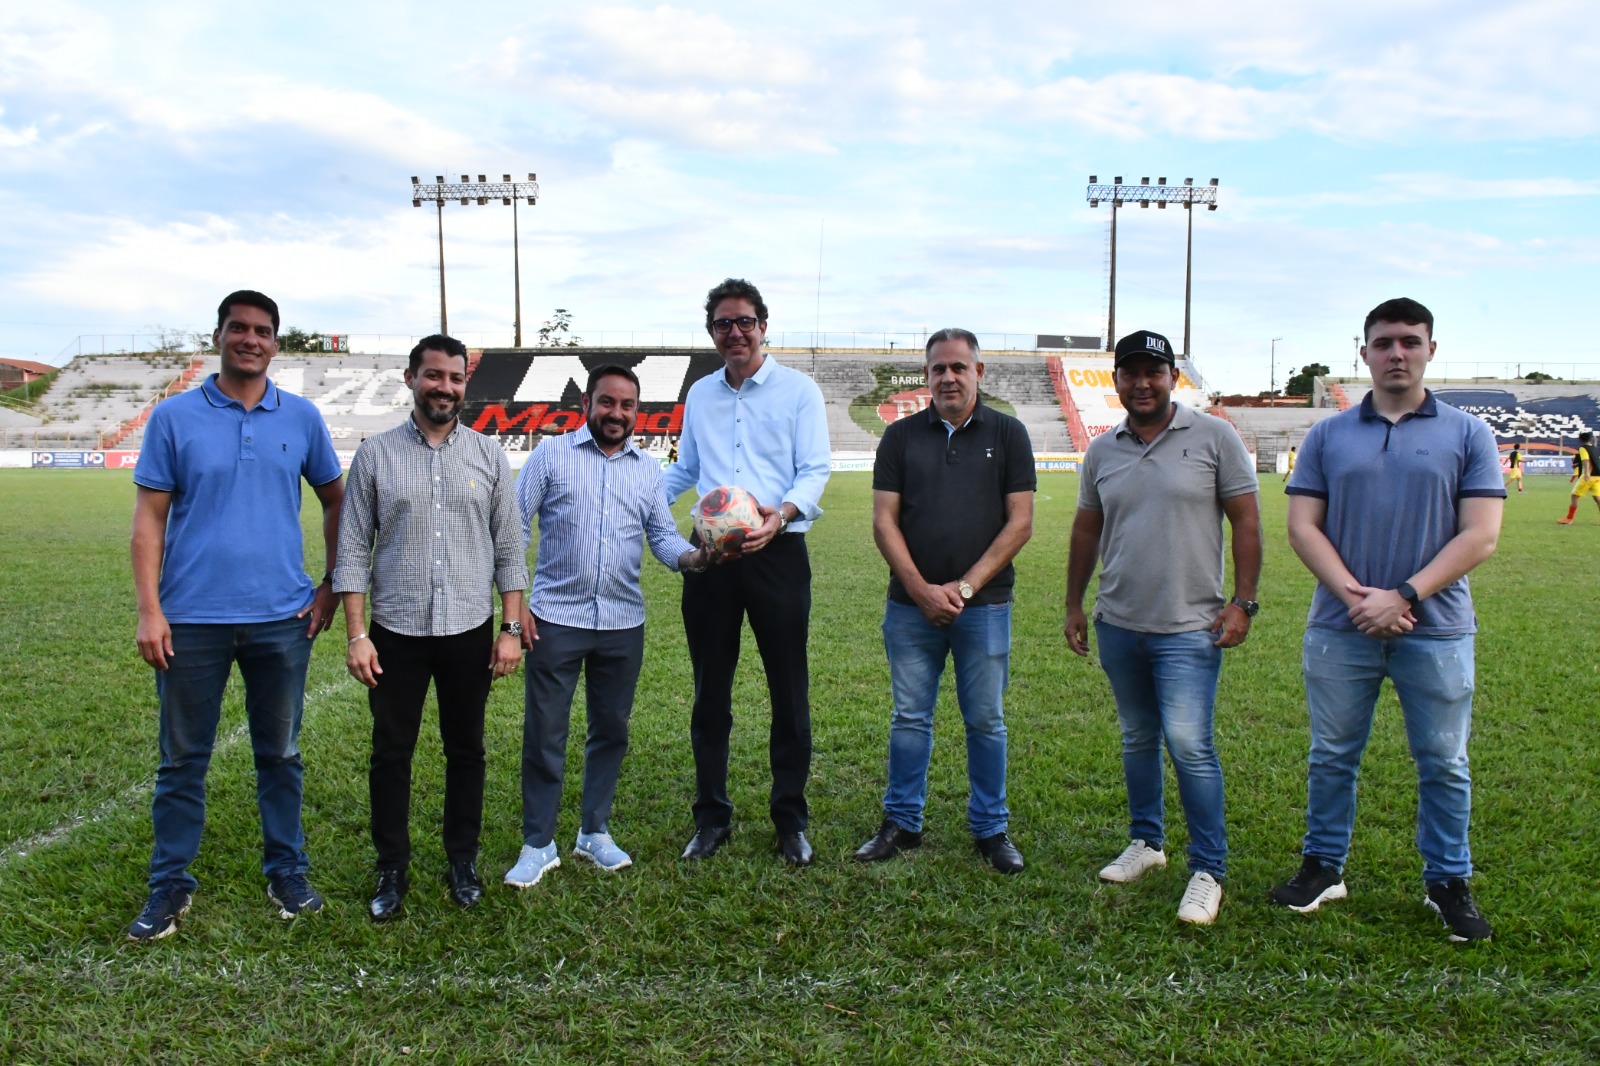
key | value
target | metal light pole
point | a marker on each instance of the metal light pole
(507, 192)
(1272, 369)
(1161, 194)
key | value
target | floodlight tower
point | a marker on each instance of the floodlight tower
(507, 192)
(1161, 194)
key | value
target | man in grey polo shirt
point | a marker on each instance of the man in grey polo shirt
(1151, 497)
(1392, 503)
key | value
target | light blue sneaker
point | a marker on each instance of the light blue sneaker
(532, 865)
(601, 850)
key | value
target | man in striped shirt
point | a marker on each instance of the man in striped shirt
(598, 499)
(430, 526)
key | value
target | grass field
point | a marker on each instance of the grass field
(929, 959)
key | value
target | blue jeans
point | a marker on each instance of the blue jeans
(1433, 676)
(979, 640)
(1165, 685)
(273, 658)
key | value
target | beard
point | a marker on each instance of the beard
(439, 416)
(609, 428)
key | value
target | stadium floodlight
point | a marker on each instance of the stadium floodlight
(1161, 194)
(1272, 368)
(484, 190)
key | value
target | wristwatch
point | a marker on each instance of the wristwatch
(1408, 593)
(514, 628)
(1249, 607)
(965, 590)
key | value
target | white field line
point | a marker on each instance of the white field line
(61, 830)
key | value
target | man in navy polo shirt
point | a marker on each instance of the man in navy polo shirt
(952, 505)
(219, 574)
(1391, 505)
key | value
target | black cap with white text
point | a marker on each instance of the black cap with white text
(1143, 342)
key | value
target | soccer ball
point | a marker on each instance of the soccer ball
(726, 515)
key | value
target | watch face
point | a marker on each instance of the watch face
(966, 590)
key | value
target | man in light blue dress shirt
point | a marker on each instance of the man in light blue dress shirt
(598, 500)
(759, 425)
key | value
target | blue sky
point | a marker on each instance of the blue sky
(155, 155)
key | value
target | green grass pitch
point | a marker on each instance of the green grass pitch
(929, 959)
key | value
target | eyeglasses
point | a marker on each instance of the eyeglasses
(745, 323)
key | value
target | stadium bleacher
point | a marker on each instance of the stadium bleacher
(97, 401)
(1542, 413)
(95, 396)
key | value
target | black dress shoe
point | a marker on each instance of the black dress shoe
(795, 849)
(465, 887)
(890, 841)
(706, 842)
(1001, 853)
(391, 892)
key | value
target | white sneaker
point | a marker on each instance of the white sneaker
(532, 864)
(1135, 859)
(601, 850)
(1201, 900)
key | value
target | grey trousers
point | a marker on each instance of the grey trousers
(610, 661)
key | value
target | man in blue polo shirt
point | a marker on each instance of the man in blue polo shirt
(1391, 505)
(219, 574)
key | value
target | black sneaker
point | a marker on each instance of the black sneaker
(1313, 885)
(1452, 902)
(293, 894)
(1001, 853)
(161, 913)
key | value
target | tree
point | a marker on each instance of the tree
(557, 331)
(1300, 383)
(1536, 376)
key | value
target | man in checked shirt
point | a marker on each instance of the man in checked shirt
(430, 526)
(598, 499)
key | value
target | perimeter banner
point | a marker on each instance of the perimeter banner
(518, 393)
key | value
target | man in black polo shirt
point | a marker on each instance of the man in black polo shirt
(952, 504)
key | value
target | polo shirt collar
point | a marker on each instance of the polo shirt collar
(975, 419)
(582, 435)
(217, 398)
(1183, 417)
(1428, 409)
(422, 438)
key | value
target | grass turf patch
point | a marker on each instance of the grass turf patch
(929, 958)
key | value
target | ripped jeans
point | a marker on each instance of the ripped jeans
(1433, 677)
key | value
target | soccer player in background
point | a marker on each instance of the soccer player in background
(761, 426)
(219, 575)
(1393, 504)
(1289, 470)
(1585, 480)
(952, 505)
(1514, 466)
(430, 527)
(597, 499)
(1152, 497)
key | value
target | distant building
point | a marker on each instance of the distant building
(14, 372)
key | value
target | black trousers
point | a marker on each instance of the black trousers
(458, 666)
(773, 588)
(610, 660)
